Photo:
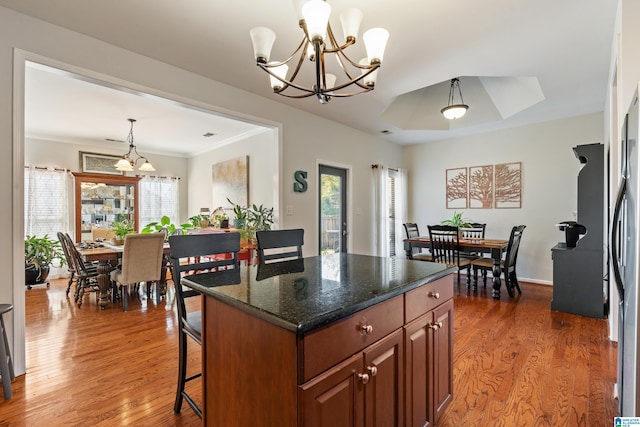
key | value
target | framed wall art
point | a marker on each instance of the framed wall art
(99, 163)
(457, 188)
(230, 179)
(481, 187)
(508, 185)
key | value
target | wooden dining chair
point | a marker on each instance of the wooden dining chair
(475, 230)
(84, 273)
(141, 262)
(445, 248)
(507, 266)
(411, 230)
(279, 245)
(196, 253)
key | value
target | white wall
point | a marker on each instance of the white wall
(549, 183)
(263, 152)
(306, 140)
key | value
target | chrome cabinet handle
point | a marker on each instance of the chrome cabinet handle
(435, 295)
(366, 329)
(435, 326)
(373, 371)
(364, 378)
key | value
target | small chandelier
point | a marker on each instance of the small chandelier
(127, 163)
(454, 111)
(317, 44)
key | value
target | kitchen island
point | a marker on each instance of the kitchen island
(330, 340)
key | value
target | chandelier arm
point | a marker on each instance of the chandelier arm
(335, 46)
(356, 80)
(286, 82)
(274, 64)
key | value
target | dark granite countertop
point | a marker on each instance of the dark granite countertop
(302, 295)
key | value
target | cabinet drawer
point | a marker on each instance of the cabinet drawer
(427, 297)
(326, 347)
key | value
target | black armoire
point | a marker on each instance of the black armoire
(578, 284)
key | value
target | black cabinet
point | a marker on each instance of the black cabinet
(578, 284)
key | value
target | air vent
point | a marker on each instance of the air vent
(113, 140)
(209, 135)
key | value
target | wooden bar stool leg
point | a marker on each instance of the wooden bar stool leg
(6, 362)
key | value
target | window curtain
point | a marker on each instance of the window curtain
(48, 205)
(381, 211)
(401, 209)
(159, 196)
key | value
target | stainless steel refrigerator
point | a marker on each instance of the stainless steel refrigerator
(625, 253)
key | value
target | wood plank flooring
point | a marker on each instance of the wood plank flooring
(516, 363)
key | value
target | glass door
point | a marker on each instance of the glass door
(333, 209)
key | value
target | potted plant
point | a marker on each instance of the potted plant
(165, 224)
(120, 230)
(200, 220)
(456, 221)
(39, 254)
(240, 213)
(260, 218)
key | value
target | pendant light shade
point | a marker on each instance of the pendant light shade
(454, 111)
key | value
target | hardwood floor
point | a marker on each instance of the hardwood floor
(516, 363)
(92, 367)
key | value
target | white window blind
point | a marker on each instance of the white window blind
(159, 196)
(46, 201)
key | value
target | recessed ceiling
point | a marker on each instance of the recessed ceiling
(490, 99)
(565, 45)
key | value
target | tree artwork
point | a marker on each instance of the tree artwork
(481, 187)
(457, 189)
(508, 185)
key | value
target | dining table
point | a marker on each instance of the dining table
(107, 256)
(494, 247)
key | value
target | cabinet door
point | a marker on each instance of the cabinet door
(419, 372)
(384, 392)
(334, 398)
(443, 358)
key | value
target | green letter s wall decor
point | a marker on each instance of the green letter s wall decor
(300, 186)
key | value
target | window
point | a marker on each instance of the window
(391, 210)
(159, 196)
(46, 201)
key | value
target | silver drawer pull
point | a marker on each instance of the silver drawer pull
(364, 378)
(366, 329)
(435, 326)
(372, 370)
(435, 295)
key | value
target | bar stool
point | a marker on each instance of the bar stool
(6, 362)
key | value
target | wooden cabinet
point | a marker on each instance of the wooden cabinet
(101, 199)
(387, 365)
(429, 365)
(364, 390)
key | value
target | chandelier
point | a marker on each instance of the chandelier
(127, 163)
(317, 46)
(454, 111)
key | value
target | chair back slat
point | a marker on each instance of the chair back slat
(445, 244)
(270, 241)
(200, 252)
(473, 231)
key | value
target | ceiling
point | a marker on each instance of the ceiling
(551, 57)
